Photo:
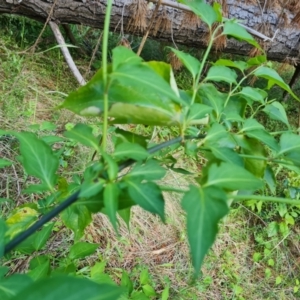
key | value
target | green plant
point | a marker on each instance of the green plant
(239, 154)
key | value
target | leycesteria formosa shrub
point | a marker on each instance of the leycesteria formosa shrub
(220, 126)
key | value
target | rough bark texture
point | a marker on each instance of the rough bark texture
(180, 28)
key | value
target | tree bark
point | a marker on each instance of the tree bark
(177, 28)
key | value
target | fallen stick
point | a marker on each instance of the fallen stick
(65, 51)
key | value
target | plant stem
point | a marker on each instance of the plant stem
(205, 56)
(104, 73)
(266, 199)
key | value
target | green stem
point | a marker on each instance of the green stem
(104, 73)
(266, 199)
(205, 56)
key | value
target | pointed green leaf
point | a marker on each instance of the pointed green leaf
(91, 188)
(270, 179)
(131, 101)
(257, 60)
(227, 155)
(198, 114)
(190, 62)
(255, 148)
(205, 208)
(241, 65)
(203, 10)
(255, 94)
(77, 218)
(38, 158)
(125, 215)
(235, 30)
(221, 73)
(128, 150)
(273, 78)
(84, 135)
(148, 196)
(82, 250)
(111, 197)
(276, 111)
(232, 177)
(40, 271)
(209, 95)
(111, 166)
(4, 163)
(13, 285)
(215, 134)
(141, 77)
(123, 55)
(150, 170)
(290, 147)
(253, 129)
(42, 236)
(69, 288)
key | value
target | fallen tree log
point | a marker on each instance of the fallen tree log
(174, 24)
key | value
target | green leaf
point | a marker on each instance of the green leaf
(227, 155)
(232, 177)
(3, 271)
(127, 136)
(198, 114)
(148, 196)
(123, 55)
(270, 179)
(126, 282)
(77, 218)
(235, 30)
(276, 111)
(221, 73)
(144, 78)
(254, 94)
(40, 271)
(241, 65)
(256, 166)
(4, 163)
(38, 159)
(69, 288)
(190, 62)
(111, 166)
(209, 95)
(2, 237)
(83, 134)
(150, 170)
(82, 250)
(273, 78)
(111, 199)
(20, 220)
(38, 261)
(257, 60)
(129, 150)
(42, 236)
(148, 290)
(215, 134)
(290, 147)
(205, 207)
(91, 188)
(203, 10)
(253, 129)
(130, 101)
(125, 215)
(144, 276)
(13, 285)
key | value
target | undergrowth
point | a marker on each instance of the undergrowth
(256, 255)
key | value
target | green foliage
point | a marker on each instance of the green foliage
(217, 122)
